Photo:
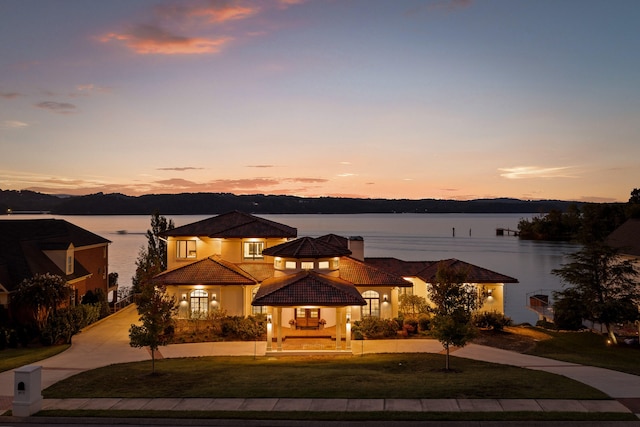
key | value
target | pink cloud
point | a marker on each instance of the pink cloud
(150, 39)
(57, 107)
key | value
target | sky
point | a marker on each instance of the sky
(445, 99)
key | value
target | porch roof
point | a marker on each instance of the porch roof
(208, 271)
(307, 288)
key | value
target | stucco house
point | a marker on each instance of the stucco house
(55, 246)
(246, 265)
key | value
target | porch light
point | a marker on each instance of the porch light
(184, 297)
(269, 319)
(490, 293)
(348, 318)
(213, 297)
(385, 298)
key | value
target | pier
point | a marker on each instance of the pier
(507, 231)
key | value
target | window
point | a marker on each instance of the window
(257, 309)
(290, 265)
(405, 291)
(373, 304)
(69, 264)
(186, 249)
(306, 265)
(199, 303)
(323, 265)
(253, 250)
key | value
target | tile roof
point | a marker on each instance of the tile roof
(626, 238)
(475, 274)
(259, 270)
(307, 288)
(234, 225)
(335, 240)
(306, 247)
(22, 243)
(360, 274)
(209, 271)
(398, 266)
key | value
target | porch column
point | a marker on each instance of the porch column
(279, 329)
(338, 328)
(348, 329)
(269, 331)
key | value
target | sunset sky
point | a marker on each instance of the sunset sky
(449, 99)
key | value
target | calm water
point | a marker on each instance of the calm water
(412, 237)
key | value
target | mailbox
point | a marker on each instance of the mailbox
(27, 397)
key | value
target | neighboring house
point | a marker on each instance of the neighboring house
(626, 239)
(55, 246)
(248, 265)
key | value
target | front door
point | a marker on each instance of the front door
(307, 318)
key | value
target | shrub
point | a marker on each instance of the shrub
(410, 325)
(491, 320)
(375, 328)
(246, 329)
(424, 322)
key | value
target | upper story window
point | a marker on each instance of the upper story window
(186, 249)
(323, 265)
(253, 250)
(306, 265)
(290, 265)
(69, 264)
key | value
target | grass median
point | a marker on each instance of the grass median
(371, 376)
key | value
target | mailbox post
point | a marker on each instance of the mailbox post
(27, 397)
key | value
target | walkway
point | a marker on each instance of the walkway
(107, 342)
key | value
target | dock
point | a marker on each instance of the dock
(507, 231)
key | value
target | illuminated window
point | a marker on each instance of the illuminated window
(69, 264)
(323, 265)
(290, 265)
(257, 309)
(253, 250)
(373, 304)
(186, 249)
(199, 304)
(306, 265)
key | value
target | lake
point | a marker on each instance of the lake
(412, 237)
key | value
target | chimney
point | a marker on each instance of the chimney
(356, 246)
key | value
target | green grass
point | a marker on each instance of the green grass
(12, 358)
(587, 348)
(371, 376)
(348, 416)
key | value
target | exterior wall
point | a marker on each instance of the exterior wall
(96, 260)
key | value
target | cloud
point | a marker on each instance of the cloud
(524, 172)
(89, 89)
(344, 175)
(260, 166)
(10, 95)
(57, 107)
(12, 124)
(150, 39)
(307, 180)
(180, 169)
(212, 11)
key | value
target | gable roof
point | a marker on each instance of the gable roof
(361, 274)
(234, 224)
(307, 288)
(23, 242)
(306, 247)
(626, 238)
(209, 271)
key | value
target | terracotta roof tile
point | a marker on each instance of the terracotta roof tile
(234, 225)
(307, 288)
(306, 247)
(398, 266)
(335, 240)
(475, 274)
(360, 274)
(208, 271)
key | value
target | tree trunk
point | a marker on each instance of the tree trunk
(153, 361)
(446, 347)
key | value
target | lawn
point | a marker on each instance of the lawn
(587, 348)
(12, 358)
(370, 376)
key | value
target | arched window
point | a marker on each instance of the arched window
(257, 309)
(373, 304)
(199, 304)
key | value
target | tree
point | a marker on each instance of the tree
(412, 305)
(453, 301)
(605, 284)
(152, 259)
(156, 309)
(635, 196)
(41, 295)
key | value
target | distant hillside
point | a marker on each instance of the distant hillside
(214, 203)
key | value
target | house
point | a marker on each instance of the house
(626, 239)
(247, 265)
(55, 246)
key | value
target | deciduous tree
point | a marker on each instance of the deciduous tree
(41, 295)
(152, 259)
(454, 301)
